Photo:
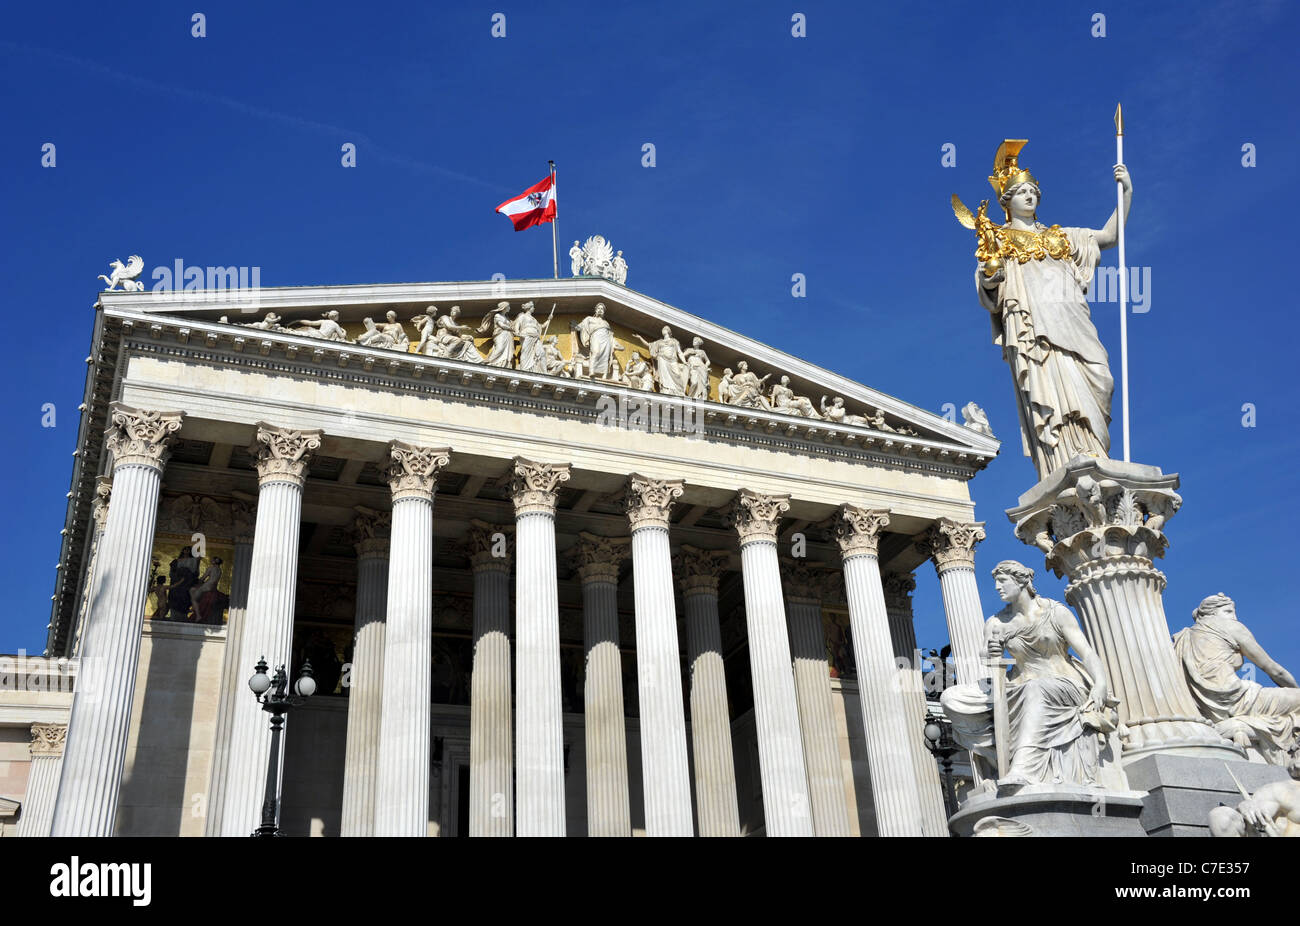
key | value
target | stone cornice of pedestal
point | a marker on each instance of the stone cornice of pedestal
(598, 559)
(756, 516)
(140, 437)
(857, 530)
(282, 454)
(1092, 509)
(806, 581)
(700, 569)
(534, 486)
(951, 544)
(412, 471)
(48, 739)
(649, 501)
(482, 549)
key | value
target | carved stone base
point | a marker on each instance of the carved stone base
(1182, 790)
(1101, 523)
(1050, 810)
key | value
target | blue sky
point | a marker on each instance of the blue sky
(775, 155)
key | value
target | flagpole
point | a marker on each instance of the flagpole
(555, 249)
(1123, 274)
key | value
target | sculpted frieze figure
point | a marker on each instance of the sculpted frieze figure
(1033, 280)
(746, 389)
(529, 331)
(1058, 706)
(668, 362)
(837, 413)
(638, 374)
(498, 322)
(454, 340)
(125, 275)
(1212, 651)
(270, 322)
(974, 418)
(393, 328)
(552, 361)
(595, 345)
(373, 336)
(783, 399)
(697, 369)
(326, 327)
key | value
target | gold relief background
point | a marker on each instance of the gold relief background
(166, 548)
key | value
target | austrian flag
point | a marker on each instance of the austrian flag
(533, 206)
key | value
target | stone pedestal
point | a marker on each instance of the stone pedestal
(1182, 790)
(1050, 810)
(1101, 524)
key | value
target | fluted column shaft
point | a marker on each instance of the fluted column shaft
(951, 546)
(539, 721)
(491, 768)
(715, 768)
(402, 779)
(812, 683)
(884, 710)
(110, 654)
(282, 460)
(48, 740)
(907, 662)
(786, 804)
(234, 674)
(365, 677)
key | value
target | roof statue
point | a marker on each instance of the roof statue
(596, 258)
(125, 274)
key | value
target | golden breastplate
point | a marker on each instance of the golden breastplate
(1025, 246)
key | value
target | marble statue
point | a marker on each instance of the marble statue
(668, 361)
(1057, 705)
(498, 322)
(454, 340)
(1033, 279)
(326, 327)
(638, 374)
(836, 413)
(373, 336)
(746, 389)
(393, 328)
(575, 259)
(973, 417)
(529, 331)
(597, 342)
(552, 361)
(697, 369)
(596, 258)
(784, 400)
(618, 266)
(425, 326)
(270, 323)
(1211, 652)
(126, 274)
(1273, 810)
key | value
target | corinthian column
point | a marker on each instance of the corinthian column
(665, 770)
(110, 650)
(234, 673)
(402, 779)
(539, 721)
(884, 711)
(951, 545)
(597, 560)
(43, 778)
(812, 685)
(898, 588)
(366, 673)
(491, 772)
(282, 457)
(786, 810)
(98, 518)
(715, 767)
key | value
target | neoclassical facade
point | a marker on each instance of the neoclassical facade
(566, 561)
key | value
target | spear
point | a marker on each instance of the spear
(1123, 275)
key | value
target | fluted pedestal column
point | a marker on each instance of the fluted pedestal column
(786, 805)
(665, 770)
(402, 779)
(48, 740)
(884, 710)
(951, 545)
(366, 673)
(282, 458)
(716, 808)
(898, 588)
(597, 561)
(110, 653)
(234, 674)
(491, 769)
(812, 685)
(1101, 524)
(539, 720)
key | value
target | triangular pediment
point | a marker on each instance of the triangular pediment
(635, 321)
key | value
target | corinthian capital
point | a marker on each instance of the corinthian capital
(649, 500)
(756, 516)
(534, 486)
(699, 569)
(371, 531)
(103, 494)
(282, 455)
(898, 591)
(412, 471)
(243, 517)
(139, 437)
(598, 559)
(48, 739)
(951, 543)
(857, 530)
(487, 545)
(805, 581)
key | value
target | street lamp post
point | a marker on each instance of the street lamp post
(938, 739)
(274, 697)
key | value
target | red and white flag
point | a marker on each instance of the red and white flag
(533, 206)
